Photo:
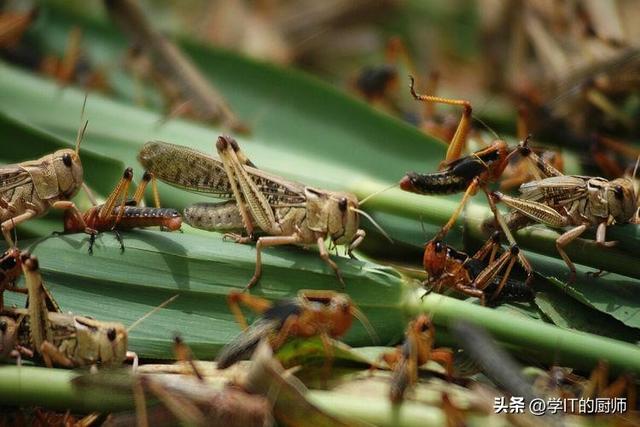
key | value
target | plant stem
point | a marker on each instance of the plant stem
(547, 343)
(377, 410)
(52, 388)
(434, 210)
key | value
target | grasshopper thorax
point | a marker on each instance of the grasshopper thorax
(621, 199)
(68, 169)
(333, 214)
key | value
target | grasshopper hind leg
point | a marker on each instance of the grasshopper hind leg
(267, 241)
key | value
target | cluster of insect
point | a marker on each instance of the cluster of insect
(267, 210)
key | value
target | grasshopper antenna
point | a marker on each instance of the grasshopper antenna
(375, 193)
(152, 311)
(80, 136)
(82, 129)
(375, 224)
(486, 126)
(355, 311)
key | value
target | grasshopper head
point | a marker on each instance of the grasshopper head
(332, 213)
(343, 222)
(8, 335)
(100, 342)
(113, 342)
(341, 309)
(434, 259)
(10, 265)
(422, 326)
(621, 198)
(69, 172)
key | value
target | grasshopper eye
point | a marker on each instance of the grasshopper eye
(439, 246)
(424, 327)
(66, 159)
(111, 334)
(342, 204)
(618, 192)
(8, 263)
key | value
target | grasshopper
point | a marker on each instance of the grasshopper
(128, 215)
(10, 270)
(65, 339)
(580, 202)
(474, 275)
(416, 350)
(287, 212)
(464, 173)
(312, 313)
(29, 189)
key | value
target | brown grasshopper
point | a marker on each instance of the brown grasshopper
(10, 270)
(64, 339)
(286, 211)
(575, 201)
(29, 189)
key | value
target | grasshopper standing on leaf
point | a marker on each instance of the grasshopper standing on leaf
(125, 216)
(29, 189)
(67, 340)
(575, 201)
(62, 339)
(287, 212)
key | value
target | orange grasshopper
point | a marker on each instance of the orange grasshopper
(128, 215)
(416, 350)
(311, 313)
(469, 173)
(474, 275)
(10, 270)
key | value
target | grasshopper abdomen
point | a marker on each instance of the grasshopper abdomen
(223, 216)
(434, 183)
(135, 217)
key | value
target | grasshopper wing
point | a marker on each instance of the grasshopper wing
(12, 176)
(243, 346)
(185, 168)
(557, 190)
(192, 170)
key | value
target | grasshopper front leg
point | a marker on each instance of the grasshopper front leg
(355, 242)
(11, 223)
(52, 356)
(324, 254)
(68, 205)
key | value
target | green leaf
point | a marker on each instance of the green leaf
(612, 293)
(302, 351)
(566, 312)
